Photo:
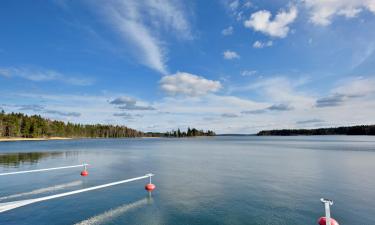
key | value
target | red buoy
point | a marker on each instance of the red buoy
(322, 221)
(84, 173)
(150, 187)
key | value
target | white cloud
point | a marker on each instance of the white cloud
(227, 31)
(228, 54)
(141, 23)
(282, 103)
(322, 12)
(188, 84)
(43, 75)
(278, 27)
(259, 44)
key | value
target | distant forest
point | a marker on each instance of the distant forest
(35, 126)
(352, 130)
(189, 133)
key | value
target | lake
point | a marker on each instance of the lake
(208, 180)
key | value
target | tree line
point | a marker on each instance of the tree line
(35, 126)
(190, 132)
(352, 130)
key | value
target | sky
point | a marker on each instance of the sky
(232, 66)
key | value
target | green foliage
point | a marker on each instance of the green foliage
(353, 130)
(21, 125)
(189, 133)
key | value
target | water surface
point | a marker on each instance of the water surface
(213, 180)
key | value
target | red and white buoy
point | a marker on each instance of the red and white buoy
(327, 220)
(84, 172)
(150, 186)
(323, 221)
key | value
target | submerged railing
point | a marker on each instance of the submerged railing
(16, 204)
(43, 170)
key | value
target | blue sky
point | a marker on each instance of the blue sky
(234, 66)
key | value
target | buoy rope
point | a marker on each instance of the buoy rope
(42, 170)
(16, 204)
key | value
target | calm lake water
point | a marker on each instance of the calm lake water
(218, 180)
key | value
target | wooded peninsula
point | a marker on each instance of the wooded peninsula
(352, 130)
(19, 125)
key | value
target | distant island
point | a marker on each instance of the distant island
(18, 126)
(351, 130)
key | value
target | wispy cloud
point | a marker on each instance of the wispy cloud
(352, 88)
(227, 31)
(127, 116)
(322, 12)
(229, 115)
(276, 107)
(281, 90)
(260, 44)
(62, 113)
(248, 73)
(124, 100)
(280, 107)
(330, 101)
(43, 75)
(356, 87)
(128, 103)
(42, 109)
(34, 108)
(228, 54)
(256, 111)
(238, 8)
(141, 24)
(234, 5)
(310, 121)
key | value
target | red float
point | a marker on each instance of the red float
(150, 187)
(84, 173)
(322, 221)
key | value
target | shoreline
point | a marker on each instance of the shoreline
(2, 139)
(33, 139)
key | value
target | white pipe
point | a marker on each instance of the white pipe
(16, 204)
(42, 170)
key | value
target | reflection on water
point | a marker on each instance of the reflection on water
(30, 158)
(14, 159)
(43, 190)
(113, 213)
